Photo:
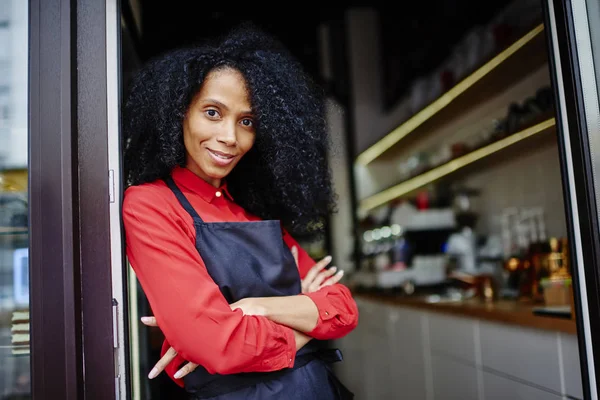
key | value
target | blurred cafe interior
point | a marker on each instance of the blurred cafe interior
(464, 155)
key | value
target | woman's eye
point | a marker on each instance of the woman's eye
(247, 122)
(212, 113)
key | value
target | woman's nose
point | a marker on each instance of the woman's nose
(227, 135)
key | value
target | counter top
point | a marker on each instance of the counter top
(512, 312)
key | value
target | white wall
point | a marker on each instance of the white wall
(341, 222)
(530, 179)
(365, 69)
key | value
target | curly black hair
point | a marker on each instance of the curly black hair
(286, 175)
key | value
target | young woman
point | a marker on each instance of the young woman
(225, 154)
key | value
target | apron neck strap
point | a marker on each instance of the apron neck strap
(185, 203)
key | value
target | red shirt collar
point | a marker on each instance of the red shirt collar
(186, 178)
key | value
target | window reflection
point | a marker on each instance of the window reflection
(14, 238)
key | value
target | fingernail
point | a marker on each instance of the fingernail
(333, 269)
(328, 258)
(341, 272)
(153, 373)
(145, 319)
(178, 374)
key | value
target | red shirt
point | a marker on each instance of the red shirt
(188, 305)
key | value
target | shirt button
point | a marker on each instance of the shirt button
(218, 194)
(326, 312)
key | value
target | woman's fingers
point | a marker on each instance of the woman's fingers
(334, 279)
(149, 321)
(320, 278)
(186, 369)
(162, 363)
(167, 358)
(313, 272)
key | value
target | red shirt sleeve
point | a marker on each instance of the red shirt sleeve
(338, 312)
(188, 305)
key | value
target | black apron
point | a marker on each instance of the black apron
(250, 259)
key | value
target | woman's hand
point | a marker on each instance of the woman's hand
(250, 306)
(318, 277)
(167, 358)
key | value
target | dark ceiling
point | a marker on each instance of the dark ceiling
(183, 22)
(419, 34)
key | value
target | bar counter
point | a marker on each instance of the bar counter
(513, 312)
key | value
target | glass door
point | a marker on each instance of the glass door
(574, 43)
(15, 377)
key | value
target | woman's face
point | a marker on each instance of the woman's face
(219, 126)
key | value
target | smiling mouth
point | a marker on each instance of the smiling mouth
(220, 155)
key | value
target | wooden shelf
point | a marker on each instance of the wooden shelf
(457, 164)
(522, 57)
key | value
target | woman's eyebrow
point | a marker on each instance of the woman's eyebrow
(224, 106)
(217, 102)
